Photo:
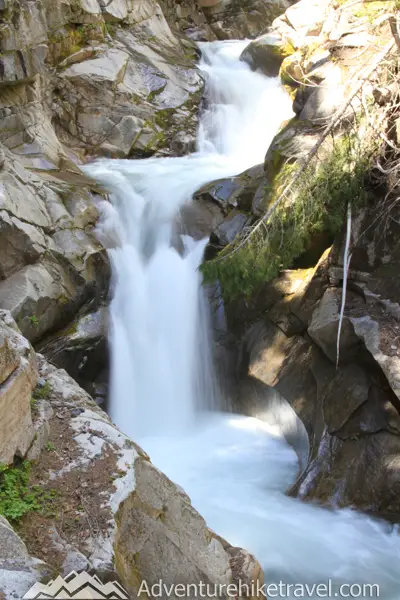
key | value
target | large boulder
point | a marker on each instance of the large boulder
(267, 53)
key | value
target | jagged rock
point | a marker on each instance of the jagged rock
(119, 79)
(18, 377)
(244, 18)
(114, 10)
(81, 349)
(323, 328)
(230, 228)
(381, 341)
(345, 394)
(50, 260)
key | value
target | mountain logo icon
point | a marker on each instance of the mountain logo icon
(80, 586)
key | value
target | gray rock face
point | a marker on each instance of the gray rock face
(241, 19)
(112, 86)
(50, 260)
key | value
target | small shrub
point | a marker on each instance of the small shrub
(42, 392)
(18, 497)
(34, 320)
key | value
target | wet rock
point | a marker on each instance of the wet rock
(81, 348)
(229, 229)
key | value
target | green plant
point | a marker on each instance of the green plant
(42, 392)
(34, 320)
(50, 447)
(317, 203)
(16, 498)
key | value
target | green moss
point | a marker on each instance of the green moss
(317, 203)
(154, 93)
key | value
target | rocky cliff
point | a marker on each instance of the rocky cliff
(341, 149)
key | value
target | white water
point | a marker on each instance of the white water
(234, 468)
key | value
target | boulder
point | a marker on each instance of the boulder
(42, 296)
(267, 53)
(81, 349)
(244, 18)
(308, 16)
(18, 377)
(171, 540)
(323, 328)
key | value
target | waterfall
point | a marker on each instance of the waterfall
(235, 469)
(160, 374)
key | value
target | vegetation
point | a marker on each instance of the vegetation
(34, 320)
(42, 392)
(17, 496)
(316, 203)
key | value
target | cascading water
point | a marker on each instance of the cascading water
(234, 468)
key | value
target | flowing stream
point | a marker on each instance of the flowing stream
(236, 469)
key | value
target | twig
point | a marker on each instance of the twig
(346, 266)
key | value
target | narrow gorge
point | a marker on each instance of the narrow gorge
(199, 298)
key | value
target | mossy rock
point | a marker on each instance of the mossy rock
(267, 53)
(292, 143)
(291, 71)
